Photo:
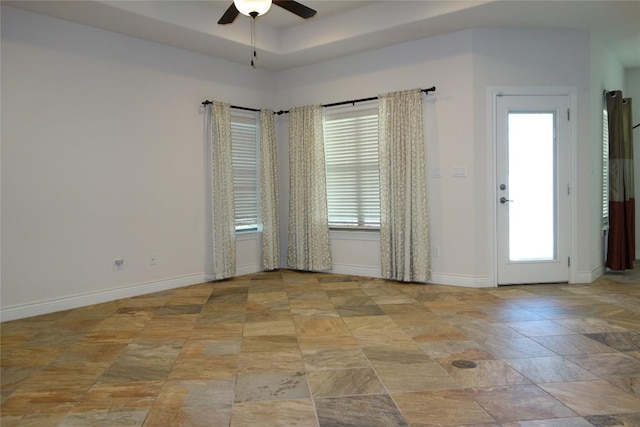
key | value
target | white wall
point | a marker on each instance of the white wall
(102, 157)
(102, 151)
(553, 58)
(462, 66)
(444, 62)
(632, 90)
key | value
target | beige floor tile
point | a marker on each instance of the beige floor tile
(487, 373)
(32, 420)
(550, 369)
(370, 410)
(573, 344)
(452, 350)
(276, 327)
(344, 382)
(29, 402)
(511, 348)
(59, 378)
(441, 408)
(520, 403)
(411, 353)
(321, 327)
(266, 362)
(271, 386)
(217, 331)
(555, 422)
(628, 384)
(326, 342)
(195, 393)
(593, 397)
(221, 367)
(334, 358)
(115, 418)
(537, 328)
(214, 415)
(608, 365)
(118, 396)
(282, 413)
(205, 348)
(316, 349)
(415, 377)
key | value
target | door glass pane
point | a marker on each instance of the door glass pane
(531, 186)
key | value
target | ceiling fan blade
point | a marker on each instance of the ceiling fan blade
(229, 16)
(296, 8)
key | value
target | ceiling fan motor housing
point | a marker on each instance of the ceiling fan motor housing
(252, 8)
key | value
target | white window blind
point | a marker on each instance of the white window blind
(351, 156)
(244, 136)
(605, 168)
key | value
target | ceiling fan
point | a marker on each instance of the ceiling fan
(256, 8)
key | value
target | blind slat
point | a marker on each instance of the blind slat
(244, 136)
(605, 168)
(351, 155)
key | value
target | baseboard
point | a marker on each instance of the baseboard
(241, 270)
(461, 280)
(590, 276)
(436, 278)
(58, 304)
(355, 270)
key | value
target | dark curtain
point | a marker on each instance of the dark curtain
(622, 245)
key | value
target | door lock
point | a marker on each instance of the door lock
(504, 200)
(503, 187)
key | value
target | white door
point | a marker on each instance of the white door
(533, 194)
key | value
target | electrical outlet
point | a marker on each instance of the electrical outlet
(153, 259)
(118, 264)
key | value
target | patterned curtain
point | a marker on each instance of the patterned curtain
(308, 239)
(223, 208)
(621, 246)
(269, 193)
(404, 226)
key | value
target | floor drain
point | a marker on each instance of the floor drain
(464, 364)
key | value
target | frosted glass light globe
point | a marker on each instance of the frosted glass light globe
(246, 7)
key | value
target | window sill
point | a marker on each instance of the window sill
(248, 234)
(354, 234)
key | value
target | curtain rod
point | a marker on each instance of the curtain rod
(335, 104)
(207, 102)
(353, 101)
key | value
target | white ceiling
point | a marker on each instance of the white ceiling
(342, 27)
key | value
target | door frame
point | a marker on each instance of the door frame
(493, 92)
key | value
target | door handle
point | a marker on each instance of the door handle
(504, 200)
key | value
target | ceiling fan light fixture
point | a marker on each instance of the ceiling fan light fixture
(252, 7)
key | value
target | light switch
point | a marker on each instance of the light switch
(459, 171)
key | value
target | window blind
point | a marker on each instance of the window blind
(244, 137)
(351, 156)
(605, 168)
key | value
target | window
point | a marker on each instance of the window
(351, 155)
(605, 169)
(244, 137)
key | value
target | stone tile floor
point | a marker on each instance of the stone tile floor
(289, 348)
